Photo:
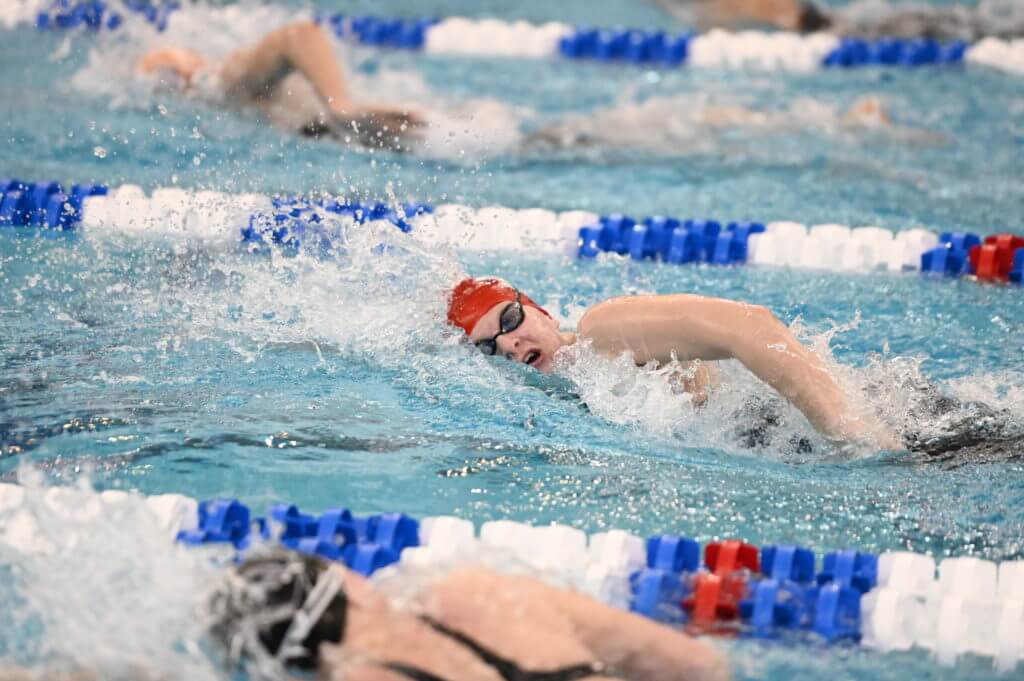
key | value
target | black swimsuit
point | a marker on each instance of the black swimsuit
(508, 670)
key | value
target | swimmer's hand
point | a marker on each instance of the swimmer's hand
(868, 112)
(861, 428)
(400, 120)
(380, 118)
(183, 63)
(377, 127)
(695, 379)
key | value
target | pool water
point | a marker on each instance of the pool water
(161, 363)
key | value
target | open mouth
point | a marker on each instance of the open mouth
(532, 357)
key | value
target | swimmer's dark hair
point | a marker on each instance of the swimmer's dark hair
(261, 585)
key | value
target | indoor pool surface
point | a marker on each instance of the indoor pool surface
(164, 363)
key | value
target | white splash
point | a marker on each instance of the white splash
(113, 593)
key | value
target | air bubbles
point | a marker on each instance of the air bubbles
(99, 152)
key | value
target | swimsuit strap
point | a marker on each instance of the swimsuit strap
(509, 670)
(414, 673)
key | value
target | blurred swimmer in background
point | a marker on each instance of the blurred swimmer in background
(292, 77)
(679, 125)
(866, 19)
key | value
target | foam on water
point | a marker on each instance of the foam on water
(98, 574)
(15, 12)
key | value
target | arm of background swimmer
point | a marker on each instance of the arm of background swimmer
(638, 648)
(302, 47)
(783, 14)
(695, 327)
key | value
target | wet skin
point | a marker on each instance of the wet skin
(534, 342)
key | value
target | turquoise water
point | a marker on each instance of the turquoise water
(161, 364)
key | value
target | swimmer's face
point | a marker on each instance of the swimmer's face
(534, 342)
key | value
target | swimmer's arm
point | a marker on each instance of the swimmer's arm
(638, 648)
(784, 14)
(568, 624)
(691, 327)
(302, 46)
(305, 48)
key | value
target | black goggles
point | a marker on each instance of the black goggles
(511, 318)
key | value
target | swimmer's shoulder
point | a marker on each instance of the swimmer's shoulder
(600, 315)
(619, 324)
(630, 309)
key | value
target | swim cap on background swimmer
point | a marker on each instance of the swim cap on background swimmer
(472, 298)
(273, 611)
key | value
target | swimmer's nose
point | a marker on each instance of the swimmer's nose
(508, 344)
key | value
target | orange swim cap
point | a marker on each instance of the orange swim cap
(472, 298)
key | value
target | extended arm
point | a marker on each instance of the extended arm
(545, 628)
(636, 647)
(784, 14)
(692, 327)
(304, 47)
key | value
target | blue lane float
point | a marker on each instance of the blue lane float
(911, 52)
(297, 222)
(629, 45)
(406, 34)
(98, 14)
(669, 239)
(952, 257)
(43, 204)
(365, 544)
(1017, 274)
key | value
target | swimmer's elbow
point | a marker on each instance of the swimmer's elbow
(718, 667)
(700, 661)
(301, 32)
(760, 314)
(757, 321)
(752, 330)
(767, 322)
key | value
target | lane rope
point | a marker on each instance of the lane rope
(894, 601)
(650, 48)
(301, 222)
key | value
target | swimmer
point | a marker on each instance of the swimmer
(275, 76)
(659, 329)
(865, 19)
(675, 125)
(281, 611)
(281, 614)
